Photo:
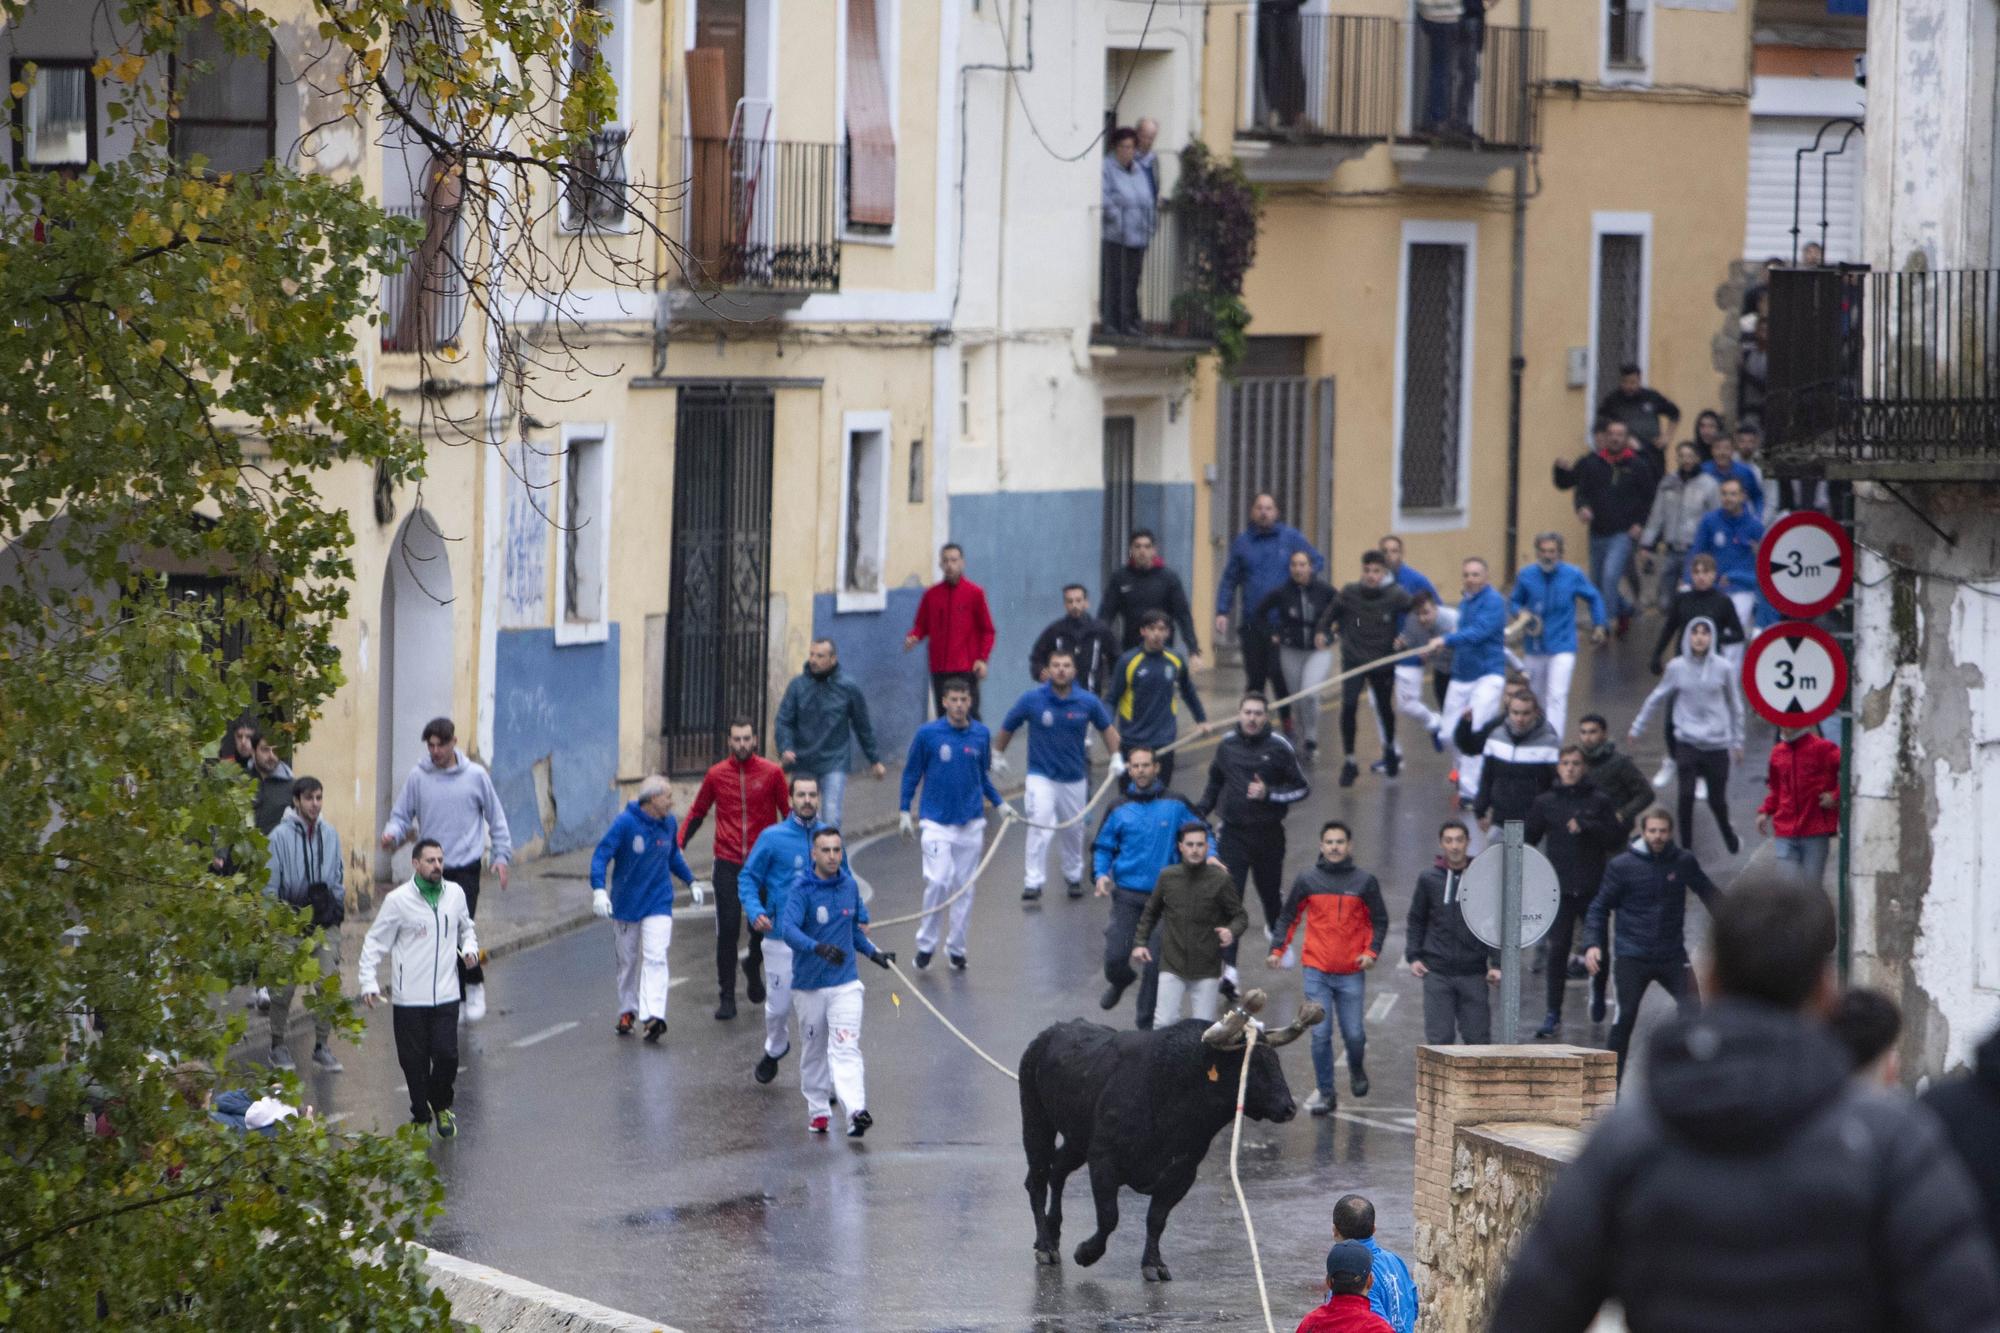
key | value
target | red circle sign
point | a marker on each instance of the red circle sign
(1795, 675)
(1805, 564)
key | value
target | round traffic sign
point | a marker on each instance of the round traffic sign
(1794, 674)
(1805, 564)
(1479, 895)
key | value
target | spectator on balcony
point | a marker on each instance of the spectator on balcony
(1438, 23)
(1471, 42)
(1813, 255)
(1281, 71)
(1146, 132)
(1642, 409)
(1131, 215)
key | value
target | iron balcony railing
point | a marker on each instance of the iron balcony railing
(1158, 294)
(762, 214)
(594, 190)
(423, 303)
(1354, 78)
(1883, 374)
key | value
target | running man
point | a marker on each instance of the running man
(826, 924)
(783, 853)
(747, 793)
(1059, 714)
(1147, 687)
(1346, 922)
(418, 919)
(1549, 590)
(950, 756)
(643, 854)
(1478, 664)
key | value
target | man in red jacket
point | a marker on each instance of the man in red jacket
(749, 794)
(1803, 805)
(1350, 1272)
(953, 616)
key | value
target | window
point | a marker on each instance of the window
(228, 104)
(871, 129)
(1625, 34)
(917, 471)
(1434, 369)
(583, 553)
(864, 512)
(594, 190)
(57, 120)
(1618, 298)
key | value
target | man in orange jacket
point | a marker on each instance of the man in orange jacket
(953, 615)
(1802, 807)
(1346, 922)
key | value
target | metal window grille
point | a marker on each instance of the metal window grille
(763, 214)
(1433, 378)
(1120, 501)
(1277, 437)
(1621, 279)
(1625, 33)
(595, 187)
(56, 122)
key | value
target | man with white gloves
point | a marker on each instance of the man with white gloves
(1058, 714)
(643, 852)
(950, 756)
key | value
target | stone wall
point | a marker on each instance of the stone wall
(1500, 1176)
(491, 1301)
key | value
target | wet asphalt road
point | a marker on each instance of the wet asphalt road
(664, 1181)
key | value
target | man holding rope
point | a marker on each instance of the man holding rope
(950, 756)
(1059, 714)
(1478, 664)
(826, 924)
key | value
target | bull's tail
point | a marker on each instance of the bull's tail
(1038, 1128)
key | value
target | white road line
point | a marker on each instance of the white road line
(1378, 1010)
(1373, 1123)
(339, 1116)
(534, 1037)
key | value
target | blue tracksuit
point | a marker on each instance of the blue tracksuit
(780, 855)
(1413, 582)
(1733, 543)
(1753, 489)
(1479, 644)
(1394, 1295)
(951, 762)
(1553, 598)
(1057, 726)
(1136, 840)
(644, 856)
(1260, 562)
(824, 911)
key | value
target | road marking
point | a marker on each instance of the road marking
(532, 1038)
(339, 1116)
(1373, 1123)
(1379, 1010)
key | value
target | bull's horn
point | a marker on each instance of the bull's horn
(1253, 1001)
(1227, 1030)
(1292, 1031)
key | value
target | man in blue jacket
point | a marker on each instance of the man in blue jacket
(826, 924)
(1134, 844)
(1549, 590)
(950, 756)
(643, 853)
(780, 855)
(1260, 561)
(1478, 665)
(1059, 714)
(1731, 534)
(1647, 886)
(823, 713)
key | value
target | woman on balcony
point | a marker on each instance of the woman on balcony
(1130, 217)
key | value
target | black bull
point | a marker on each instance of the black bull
(1141, 1108)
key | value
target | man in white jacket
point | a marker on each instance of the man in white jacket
(425, 929)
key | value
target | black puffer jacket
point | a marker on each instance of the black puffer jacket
(1969, 1106)
(1130, 593)
(1435, 933)
(1578, 857)
(1754, 1186)
(1299, 607)
(1649, 894)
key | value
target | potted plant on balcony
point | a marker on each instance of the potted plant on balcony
(1219, 209)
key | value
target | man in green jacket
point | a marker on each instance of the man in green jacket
(1200, 913)
(822, 712)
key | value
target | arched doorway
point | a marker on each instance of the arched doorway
(417, 657)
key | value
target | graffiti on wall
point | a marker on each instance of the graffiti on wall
(524, 578)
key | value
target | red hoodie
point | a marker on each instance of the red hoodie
(1345, 1314)
(748, 798)
(1800, 770)
(953, 616)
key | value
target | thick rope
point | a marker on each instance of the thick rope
(950, 1026)
(1250, 1034)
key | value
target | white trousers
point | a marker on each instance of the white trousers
(777, 996)
(1549, 675)
(950, 853)
(1482, 697)
(1305, 668)
(1410, 681)
(1052, 802)
(1202, 997)
(830, 1061)
(642, 965)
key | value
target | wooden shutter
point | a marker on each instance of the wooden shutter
(871, 137)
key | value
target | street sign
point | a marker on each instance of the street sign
(1805, 564)
(1479, 895)
(1795, 675)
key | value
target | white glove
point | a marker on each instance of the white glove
(699, 891)
(600, 902)
(1118, 765)
(905, 826)
(1001, 768)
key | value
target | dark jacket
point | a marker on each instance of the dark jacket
(1343, 912)
(1612, 772)
(1649, 894)
(1754, 1187)
(1298, 609)
(1578, 857)
(1689, 605)
(820, 716)
(274, 796)
(1617, 490)
(1189, 902)
(1365, 619)
(1516, 769)
(1641, 411)
(1144, 693)
(1088, 640)
(1240, 758)
(1969, 1106)
(1435, 933)
(1130, 593)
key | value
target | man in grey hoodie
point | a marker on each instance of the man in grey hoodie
(1708, 725)
(304, 854)
(450, 798)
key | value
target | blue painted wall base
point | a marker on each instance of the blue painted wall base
(559, 704)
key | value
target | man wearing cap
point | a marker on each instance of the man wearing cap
(1350, 1272)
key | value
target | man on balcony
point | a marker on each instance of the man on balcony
(1437, 29)
(1131, 214)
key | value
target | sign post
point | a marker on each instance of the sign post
(1510, 932)
(1509, 896)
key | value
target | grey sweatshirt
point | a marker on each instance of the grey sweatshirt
(1708, 706)
(298, 859)
(455, 805)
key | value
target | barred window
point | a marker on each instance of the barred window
(1434, 348)
(1621, 278)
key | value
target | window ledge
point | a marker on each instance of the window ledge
(884, 239)
(845, 602)
(571, 633)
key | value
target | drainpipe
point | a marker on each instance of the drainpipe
(1517, 361)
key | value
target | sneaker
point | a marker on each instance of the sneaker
(1391, 765)
(1312, 751)
(263, 1000)
(818, 1124)
(1075, 888)
(1357, 1081)
(1380, 766)
(1112, 995)
(1552, 1024)
(767, 1067)
(1701, 789)
(753, 988)
(1031, 893)
(1665, 776)
(923, 959)
(859, 1124)
(281, 1057)
(447, 1125)
(957, 960)
(625, 1022)
(475, 1002)
(726, 1010)
(1731, 841)
(1227, 990)
(327, 1060)
(656, 1028)
(1597, 1008)
(1348, 773)
(1321, 1102)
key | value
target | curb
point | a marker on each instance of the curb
(486, 1298)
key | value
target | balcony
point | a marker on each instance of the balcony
(1884, 376)
(1157, 299)
(423, 303)
(761, 224)
(1471, 109)
(594, 189)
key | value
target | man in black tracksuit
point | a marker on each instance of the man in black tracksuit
(1087, 640)
(1612, 772)
(1144, 583)
(1700, 598)
(1520, 763)
(1578, 829)
(1253, 782)
(1455, 967)
(1364, 617)
(1647, 886)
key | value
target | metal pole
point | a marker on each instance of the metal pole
(1510, 933)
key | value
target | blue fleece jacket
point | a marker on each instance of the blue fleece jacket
(780, 855)
(1259, 561)
(824, 911)
(1733, 542)
(1136, 840)
(1057, 727)
(644, 856)
(1753, 488)
(1479, 644)
(1394, 1295)
(1552, 597)
(951, 762)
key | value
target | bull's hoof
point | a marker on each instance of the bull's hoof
(1155, 1273)
(1047, 1257)
(1089, 1252)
